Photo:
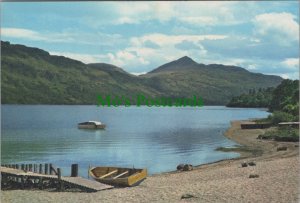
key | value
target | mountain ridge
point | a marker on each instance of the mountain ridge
(28, 73)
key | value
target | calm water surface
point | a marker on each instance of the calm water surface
(157, 138)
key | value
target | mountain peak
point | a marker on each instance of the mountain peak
(178, 64)
(186, 59)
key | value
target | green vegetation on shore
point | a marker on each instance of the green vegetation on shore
(283, 102)
(33, 76)
(254, 98)
(285, 134)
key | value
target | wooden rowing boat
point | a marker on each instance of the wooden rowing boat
(118, 176)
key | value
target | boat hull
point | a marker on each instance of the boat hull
(102, 126)
(131, 177)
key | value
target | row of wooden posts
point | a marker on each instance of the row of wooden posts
(46, 169)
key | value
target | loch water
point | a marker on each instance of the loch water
(156, 138)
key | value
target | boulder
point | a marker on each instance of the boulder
(187, 196)
(284, 148)
(180, 167)
(252, 163)
(244, 164)
(253, 176)
(187, 167)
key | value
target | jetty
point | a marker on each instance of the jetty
(254, 125)
(30, 176)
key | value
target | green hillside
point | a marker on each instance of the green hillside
(32, 76)
(217, 84)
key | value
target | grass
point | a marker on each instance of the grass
(262, 121)
(239, 149)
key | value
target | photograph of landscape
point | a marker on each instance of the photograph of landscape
(150, 101)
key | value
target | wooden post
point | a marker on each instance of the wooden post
(46, 169)
(35, 171)
(58, 173)
(60, 182)
(51, 169)
(30, 167)
(22, 166)
(22, 183)
(74, 170)
(89, 171)
(26, 167)
(17, 166)
(41, 169)
(41, 182)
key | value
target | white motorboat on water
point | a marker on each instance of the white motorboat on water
(91, 125)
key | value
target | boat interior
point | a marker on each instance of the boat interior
(113, 173)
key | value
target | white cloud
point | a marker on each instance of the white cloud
(170, 40)
(138, 54)
(226, 61)
(282, 27)
(33, 35)
(193, 13)
(22, 33)
(128, 59)
(138, 73)
(255, 40)
(85, 58)
(251, 67)
(168, 49)
(68, 36)
(203, 20)
(285, 76)
(291, 63)
(137, 12)
(126, 20)
(293, 76)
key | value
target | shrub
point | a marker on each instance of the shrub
(279, 116)
(284, 134)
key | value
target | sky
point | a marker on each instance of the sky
(259, 36)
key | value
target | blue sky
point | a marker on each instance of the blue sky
(139, 36)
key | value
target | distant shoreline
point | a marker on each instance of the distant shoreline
(217, 105)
